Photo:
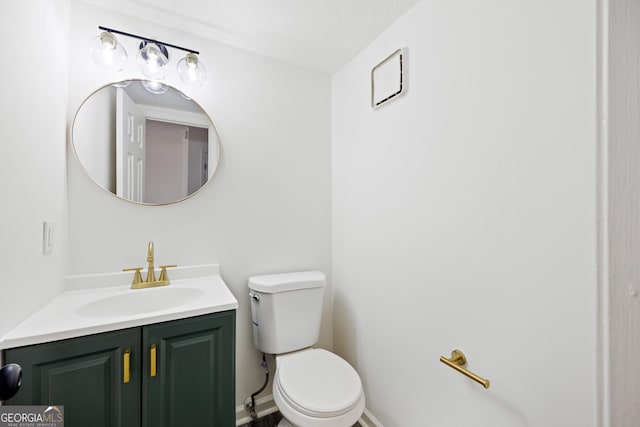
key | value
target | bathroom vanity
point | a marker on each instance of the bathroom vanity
(166, 363)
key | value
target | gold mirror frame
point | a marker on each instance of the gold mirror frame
(103, 126)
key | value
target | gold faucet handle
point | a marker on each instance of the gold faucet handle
(137, 276)
(163, 272)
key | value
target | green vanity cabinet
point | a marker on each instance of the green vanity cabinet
(194, 381)
(180, 373)
(85, 375)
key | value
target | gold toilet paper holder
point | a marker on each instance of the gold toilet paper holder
(457, 361)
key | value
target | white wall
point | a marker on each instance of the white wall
(464, 216)
(267, 208)
(33, 108)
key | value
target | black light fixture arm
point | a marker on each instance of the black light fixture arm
(146, 39)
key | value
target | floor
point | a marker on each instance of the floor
(271, 420)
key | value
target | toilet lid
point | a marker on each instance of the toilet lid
(318, 383)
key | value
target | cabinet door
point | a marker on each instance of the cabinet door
(194, 381)
(86, 375)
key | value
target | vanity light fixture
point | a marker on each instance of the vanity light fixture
(152, 57)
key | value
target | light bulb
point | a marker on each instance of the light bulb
(191, 71)
(107, 52)
(153, 60)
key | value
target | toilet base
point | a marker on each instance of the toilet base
(284, 423)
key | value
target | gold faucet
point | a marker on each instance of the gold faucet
(151, 274)
(151, 281)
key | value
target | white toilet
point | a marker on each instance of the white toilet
(311, 387)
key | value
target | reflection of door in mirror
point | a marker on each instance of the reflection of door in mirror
(130, 149)
(158, 161)
(176, 160)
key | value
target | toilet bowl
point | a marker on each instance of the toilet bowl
(316, 388)
(312, 387)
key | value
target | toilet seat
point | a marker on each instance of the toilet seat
(318, 383)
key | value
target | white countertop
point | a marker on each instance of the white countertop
(104, 302)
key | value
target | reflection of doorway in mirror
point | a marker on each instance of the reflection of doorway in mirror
(130, 149)
(176, 161)
(198, 174)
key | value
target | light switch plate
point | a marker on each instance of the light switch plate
(48, 236)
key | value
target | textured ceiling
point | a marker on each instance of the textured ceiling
(317, 34)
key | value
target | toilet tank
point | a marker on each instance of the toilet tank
(286, 310)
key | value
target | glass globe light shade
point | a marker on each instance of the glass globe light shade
(191, 71)
(153, 61)
(107, 52)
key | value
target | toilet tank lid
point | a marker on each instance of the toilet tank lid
(282, 282)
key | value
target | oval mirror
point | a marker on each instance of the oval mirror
(145, 142)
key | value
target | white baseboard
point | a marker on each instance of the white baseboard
(266, 405)
(368, 420)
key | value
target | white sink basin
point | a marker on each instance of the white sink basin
(140, 301)
(96, 303)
